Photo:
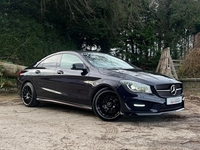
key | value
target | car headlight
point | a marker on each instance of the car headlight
(136, 86)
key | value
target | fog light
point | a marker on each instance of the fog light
(139, 105)
(153, 110)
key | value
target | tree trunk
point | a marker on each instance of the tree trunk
(197, 40)
(10, 70)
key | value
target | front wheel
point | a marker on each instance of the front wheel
(29, 95)
(106, 105)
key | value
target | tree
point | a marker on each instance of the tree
(175, 20)
(138, 29)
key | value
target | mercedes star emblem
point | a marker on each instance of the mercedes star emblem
(173, 90)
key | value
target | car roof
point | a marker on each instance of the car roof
(75, 51)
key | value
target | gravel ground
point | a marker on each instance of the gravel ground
(57, 127)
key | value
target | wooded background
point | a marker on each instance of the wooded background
(137, 29)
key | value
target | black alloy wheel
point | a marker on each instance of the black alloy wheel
(106, 105)
(28, 95)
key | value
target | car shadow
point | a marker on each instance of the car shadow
(66, 108)
(160, 120)
(142, 120)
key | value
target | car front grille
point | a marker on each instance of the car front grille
(165, 90)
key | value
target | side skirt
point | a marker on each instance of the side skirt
(65, 103)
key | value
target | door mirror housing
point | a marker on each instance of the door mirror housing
(80, 66)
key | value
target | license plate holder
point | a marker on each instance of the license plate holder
(174, 100)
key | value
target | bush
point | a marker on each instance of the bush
(191, 65)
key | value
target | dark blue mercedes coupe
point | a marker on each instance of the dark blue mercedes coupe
(99, 82)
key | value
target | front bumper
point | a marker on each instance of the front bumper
(160, 113)
(142, 104)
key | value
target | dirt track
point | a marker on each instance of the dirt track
(56, 127)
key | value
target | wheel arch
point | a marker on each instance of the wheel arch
(28, 94)
(24, 84)
(98, 92)
(99, 88)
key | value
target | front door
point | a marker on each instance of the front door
(71, 86)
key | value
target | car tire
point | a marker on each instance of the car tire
(106, 105)
(29, 95)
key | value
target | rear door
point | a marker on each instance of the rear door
(44, 77)
(71, 85)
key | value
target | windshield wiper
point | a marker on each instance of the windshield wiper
(117, 68)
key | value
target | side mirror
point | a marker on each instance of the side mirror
(80, 66)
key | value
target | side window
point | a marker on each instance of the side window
(68, 59)
(50, 62)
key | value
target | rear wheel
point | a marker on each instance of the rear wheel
(29, 95)
(106, 105)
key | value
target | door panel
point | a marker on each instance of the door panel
(43, 77)
(44, 83)
(71, 86)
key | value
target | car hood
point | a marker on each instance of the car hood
(140, 76)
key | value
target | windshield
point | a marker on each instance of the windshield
(100, 60)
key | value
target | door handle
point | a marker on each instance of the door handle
(37, 71)
(60, 72)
